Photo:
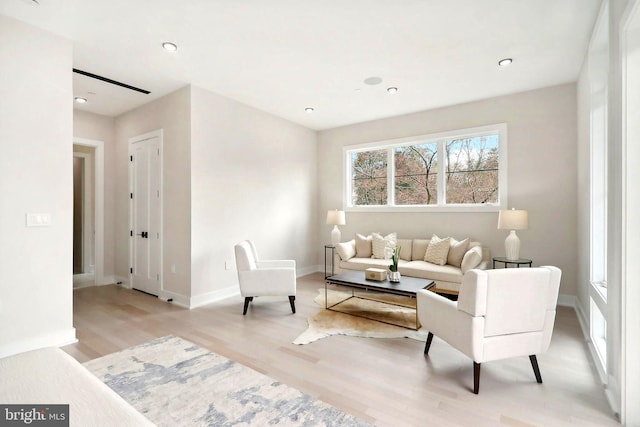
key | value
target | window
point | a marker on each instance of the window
(460, 170)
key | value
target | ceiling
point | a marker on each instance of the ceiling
(282, 56)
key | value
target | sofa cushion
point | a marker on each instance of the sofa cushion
(471, 259)
(364, 263)
(418, 249)
(380, 243)
(427, 270)
(363, 246)
(437, 250)
(405, 248)
(457, 251)
(346, 250)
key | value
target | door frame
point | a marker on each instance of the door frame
(160, 135)
(98, 209)
(87, 218)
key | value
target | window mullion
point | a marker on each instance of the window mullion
(442, 197)
(391, 170)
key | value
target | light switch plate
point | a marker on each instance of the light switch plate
(38, 219)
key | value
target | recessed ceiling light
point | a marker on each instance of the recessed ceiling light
(80, 100)
(32, 2)
(373, 80)
(504, 62)
(171, 47)
(309, 110)
(392, 89)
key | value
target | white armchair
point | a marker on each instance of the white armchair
(264, 278)
(499, 314)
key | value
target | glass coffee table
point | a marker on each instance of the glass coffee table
(407, 286)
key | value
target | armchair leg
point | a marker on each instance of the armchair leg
(476, 377)
(292, 300)
(428, 344)
(536, 369)
(247, 300)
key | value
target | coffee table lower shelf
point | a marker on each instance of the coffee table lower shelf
(408, 286)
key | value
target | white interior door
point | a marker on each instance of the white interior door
(145, 195)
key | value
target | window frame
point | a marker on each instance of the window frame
(500, 129)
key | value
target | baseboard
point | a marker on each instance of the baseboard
(215, 296)
(122, 281)
(309, 270)
(108, 280)
(174, 298)
(567, 301)
(54, 339)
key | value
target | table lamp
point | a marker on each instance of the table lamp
(513, 220)
(335, 218)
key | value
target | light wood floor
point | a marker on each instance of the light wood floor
(388, 382)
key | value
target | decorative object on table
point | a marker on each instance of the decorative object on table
(174, 382)
(500, 313)
(394, 275)
(264, 278)
(514, 219)
(377, 274)
(335, 218)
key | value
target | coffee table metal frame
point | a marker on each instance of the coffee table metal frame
(408, 286)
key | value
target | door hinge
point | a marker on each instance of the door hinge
(131, 195)
(158, 276)
(131, 270)
(131, 233)
(131, 158)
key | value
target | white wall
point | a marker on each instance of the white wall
(102, 128)
(253, 176)
(542, 171)
(172, 114)
(36, 141)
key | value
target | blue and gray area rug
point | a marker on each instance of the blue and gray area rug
(176, 383)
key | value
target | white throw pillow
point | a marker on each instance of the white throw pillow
(457, 249)
(363, 246)
(471, 259)
(346, 250)
(379, 243)
(437, 250)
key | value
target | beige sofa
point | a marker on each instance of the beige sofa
(447, 277)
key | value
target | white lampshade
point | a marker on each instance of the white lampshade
(513, 220)
(335, 217)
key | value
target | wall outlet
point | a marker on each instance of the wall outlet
(173, 268)
(228, 265)
(38, 219)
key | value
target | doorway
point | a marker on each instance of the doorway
(88, 213)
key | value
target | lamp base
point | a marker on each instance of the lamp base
(335, 235)
(512, 246)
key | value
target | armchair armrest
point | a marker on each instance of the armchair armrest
(289, 263)
(441, 317)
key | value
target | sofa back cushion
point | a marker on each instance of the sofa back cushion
(418, 249)
(405, 249)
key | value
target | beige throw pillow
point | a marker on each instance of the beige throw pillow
(363, 246)
(457, 249)
(437, 250)
(379, 243)
(471, 259)
(346, 250)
